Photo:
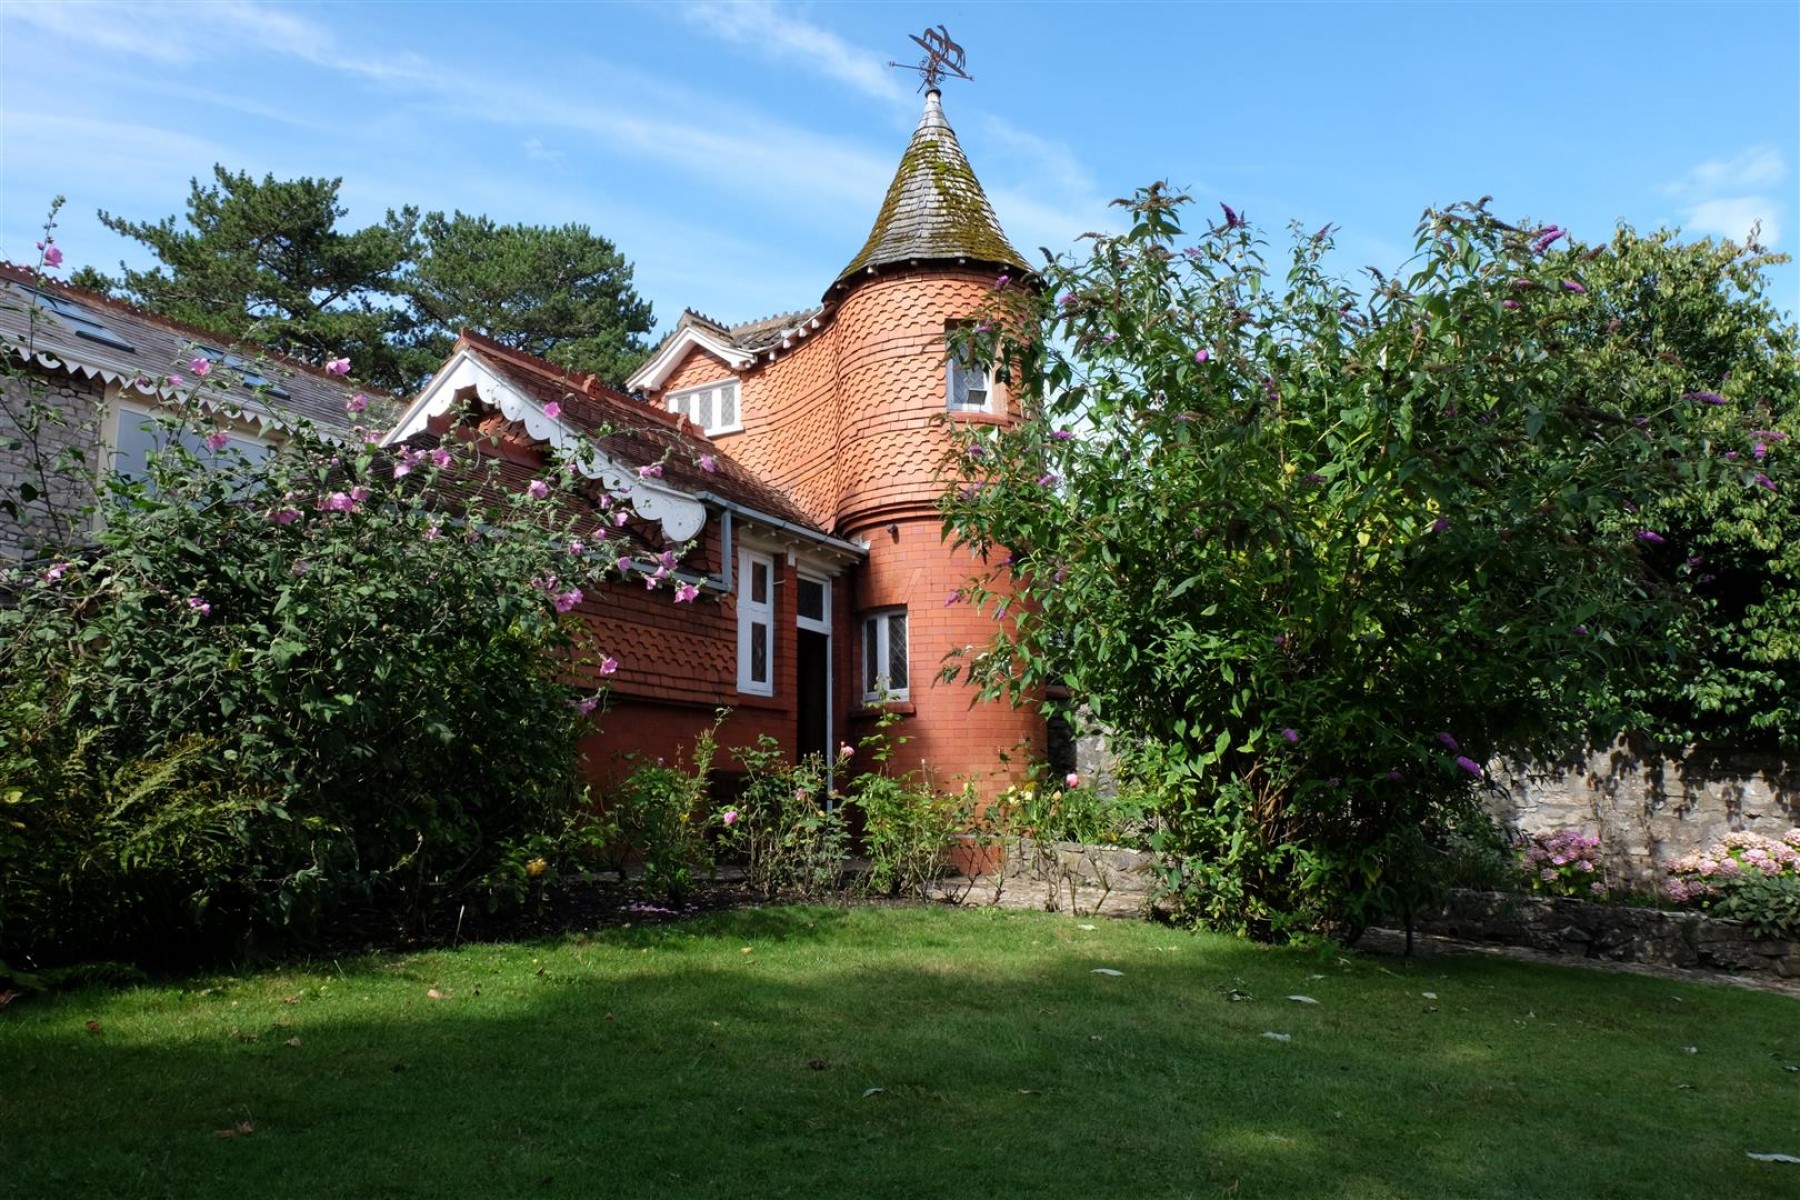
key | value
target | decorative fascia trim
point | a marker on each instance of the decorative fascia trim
(680, 515)
(653, 374)
(252, 411)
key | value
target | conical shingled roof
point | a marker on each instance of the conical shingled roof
(935, 208)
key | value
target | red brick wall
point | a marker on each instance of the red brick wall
(849, 423)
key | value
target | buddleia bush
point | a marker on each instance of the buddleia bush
(261, 691)
(1330, 548)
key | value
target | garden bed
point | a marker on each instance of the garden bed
(1615, 932)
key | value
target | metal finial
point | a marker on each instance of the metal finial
(942, 57)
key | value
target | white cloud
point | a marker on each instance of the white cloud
(180, 34)
(1735, 217)
(536, 151)
(1731, 196)
(779, 33)
(1756, 168)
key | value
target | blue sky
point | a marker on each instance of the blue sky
(737, 153)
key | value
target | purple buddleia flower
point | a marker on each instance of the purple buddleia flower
(1764, 482)
(1469, 765)
(1572, 286)
(1651, 536)
(1712, 398)
(1292, 736)
(1449, 741)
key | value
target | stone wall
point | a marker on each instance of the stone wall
(1066, 877)
(1648, 810)
(1612, 932)
(68, 427)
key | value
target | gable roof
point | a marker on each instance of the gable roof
(612, 431)
(736, 345)
(935, 209)
(67, 328)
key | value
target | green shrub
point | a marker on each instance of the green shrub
(658, 819)
(265, 689)
(788, 827)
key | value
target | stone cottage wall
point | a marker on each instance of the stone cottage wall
(76, 404)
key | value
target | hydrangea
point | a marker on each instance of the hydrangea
(1563, 863)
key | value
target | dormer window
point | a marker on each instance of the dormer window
(714, 407)
(968, 383)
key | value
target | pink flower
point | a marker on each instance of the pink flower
(56, 571)
(608, 665)
(217, 440)
(650, 471)
(1000, 283)
(200, 606)
(1073, 779)
(1292, 736)
(1048, 480)
(686, 593)
(176, 380)
(537, 489)
(553, 410)
(577, 546)
(359, 493)
(200, 366)
(621, 517)
(586, 704)
(1060, 435)
(1202, 354)
(53, 255)
(623, 564)
(338, 366)
(708, 463)
(433, 532)
(846, 750)
(356, 403)
(564, 601)
(338, 502)
(730, 818)
(285, 515)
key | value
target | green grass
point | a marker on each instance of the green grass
(730, 1056)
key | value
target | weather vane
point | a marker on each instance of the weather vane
(942, 57)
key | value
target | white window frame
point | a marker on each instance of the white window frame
(701, 406)
(121, 413)
(881, 623)
(957, 367)
(750, 613)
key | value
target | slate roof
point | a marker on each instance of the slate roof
(635, 434)
(935, 209)
(98, 336)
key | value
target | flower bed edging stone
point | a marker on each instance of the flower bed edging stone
(1586, 929)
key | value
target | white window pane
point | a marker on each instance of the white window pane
(759, 583)
(759, 652)
(896, 652)
(728, 400)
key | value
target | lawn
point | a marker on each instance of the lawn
(900, 1052)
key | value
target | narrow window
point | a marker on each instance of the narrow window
(968, 390)
(885, 671)
(756, 624)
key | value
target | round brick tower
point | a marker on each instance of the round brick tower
(930, 262)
